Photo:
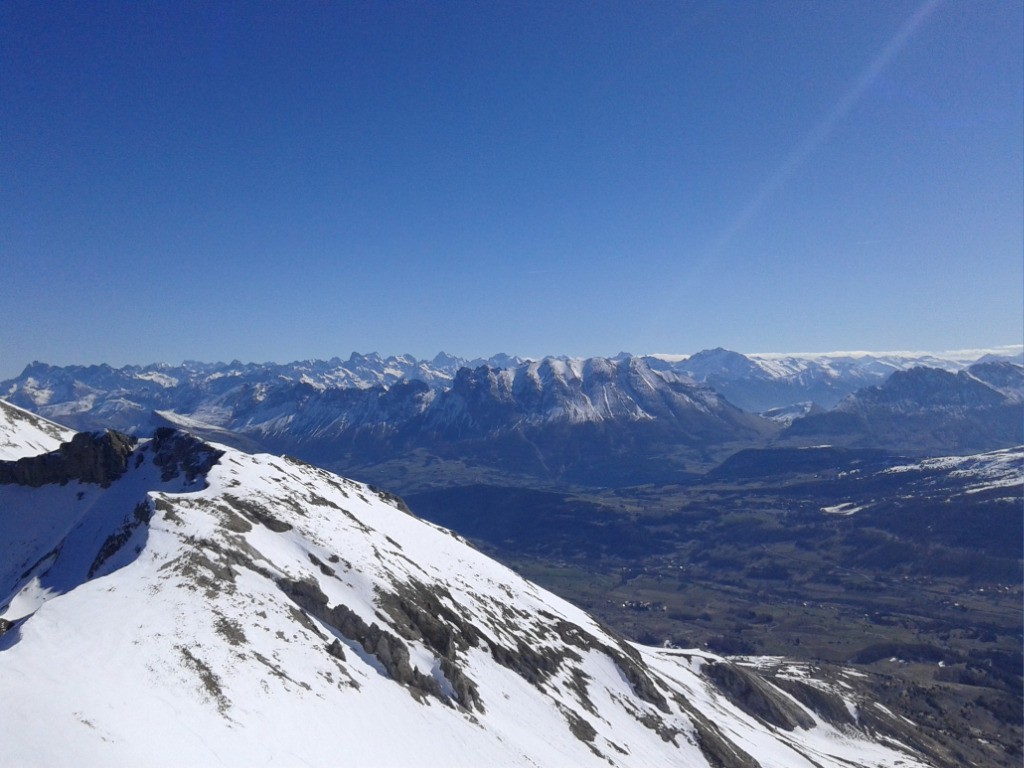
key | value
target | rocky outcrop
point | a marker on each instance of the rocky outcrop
(90, 457)
(179, 453)
(102, 457)
(388, 649)
(141, 515)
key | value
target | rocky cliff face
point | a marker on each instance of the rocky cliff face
(101, 458)
(90, 457)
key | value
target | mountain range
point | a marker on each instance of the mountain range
(760, 383)
(168, 601)
(599, 421)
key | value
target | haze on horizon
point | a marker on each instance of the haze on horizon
(281, 182)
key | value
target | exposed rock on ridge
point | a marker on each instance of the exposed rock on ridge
(90, 457)
(178, 453)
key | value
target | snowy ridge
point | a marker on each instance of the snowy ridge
(22, 433)
(213, 607)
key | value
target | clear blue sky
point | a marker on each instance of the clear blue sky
(277, 181)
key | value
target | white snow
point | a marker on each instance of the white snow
(24, 434)
(845, 509)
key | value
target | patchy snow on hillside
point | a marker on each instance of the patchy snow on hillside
(996, 469)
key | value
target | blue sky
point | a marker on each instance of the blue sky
(278, 181)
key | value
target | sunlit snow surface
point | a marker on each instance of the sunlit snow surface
(24, 434)
(181, 648)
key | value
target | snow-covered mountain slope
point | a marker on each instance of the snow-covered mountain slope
(595, 390)
(186, 604)
(23, 433)
(1004, 377)
(787, 414)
